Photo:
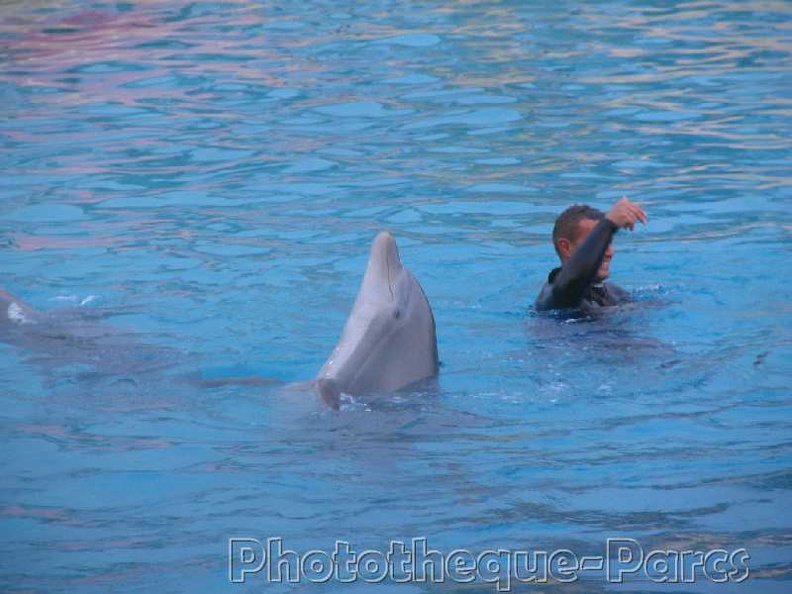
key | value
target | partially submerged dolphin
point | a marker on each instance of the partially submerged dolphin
(388, 342)
(14, 312)
(389, 339)
(77, 338)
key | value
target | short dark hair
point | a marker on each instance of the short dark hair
(566, 225)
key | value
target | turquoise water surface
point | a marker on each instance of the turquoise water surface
(190, 191)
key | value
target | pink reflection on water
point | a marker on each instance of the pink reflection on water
(120, 82)
(32, 243)
(52, 45)
(40, 513)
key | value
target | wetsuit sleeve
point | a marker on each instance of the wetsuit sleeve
(567, 288)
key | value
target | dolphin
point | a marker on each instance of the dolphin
(16, 317)
(389, 339)
(13, 311)
(77, 338)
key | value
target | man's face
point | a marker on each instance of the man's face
(584, 228)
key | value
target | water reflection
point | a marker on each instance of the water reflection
(215, 174)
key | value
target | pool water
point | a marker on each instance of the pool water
(196, 186)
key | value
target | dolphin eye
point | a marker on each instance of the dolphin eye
(397, 314)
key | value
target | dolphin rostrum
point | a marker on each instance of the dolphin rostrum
(389, 339)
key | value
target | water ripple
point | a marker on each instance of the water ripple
(214, 173)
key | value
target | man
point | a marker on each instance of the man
(582, 238)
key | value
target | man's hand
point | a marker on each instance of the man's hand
(624, 213)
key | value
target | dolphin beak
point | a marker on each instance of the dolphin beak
(384, 261)
(384, 248)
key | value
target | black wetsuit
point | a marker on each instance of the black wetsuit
(573, 286)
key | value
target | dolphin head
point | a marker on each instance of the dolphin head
(389, 339)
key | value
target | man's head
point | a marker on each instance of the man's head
(571, 229)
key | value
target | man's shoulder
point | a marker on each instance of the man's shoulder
(545, 299)
(621, 295)
(612, 295)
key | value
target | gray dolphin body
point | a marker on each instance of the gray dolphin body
(389, 339)
(14, 311)
(16, 317)
(22, 325)
(77, 337)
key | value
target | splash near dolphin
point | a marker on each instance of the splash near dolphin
(389, 339)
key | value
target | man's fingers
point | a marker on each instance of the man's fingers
(628, 212)
(638, 213)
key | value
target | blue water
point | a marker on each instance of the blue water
(196, 186)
